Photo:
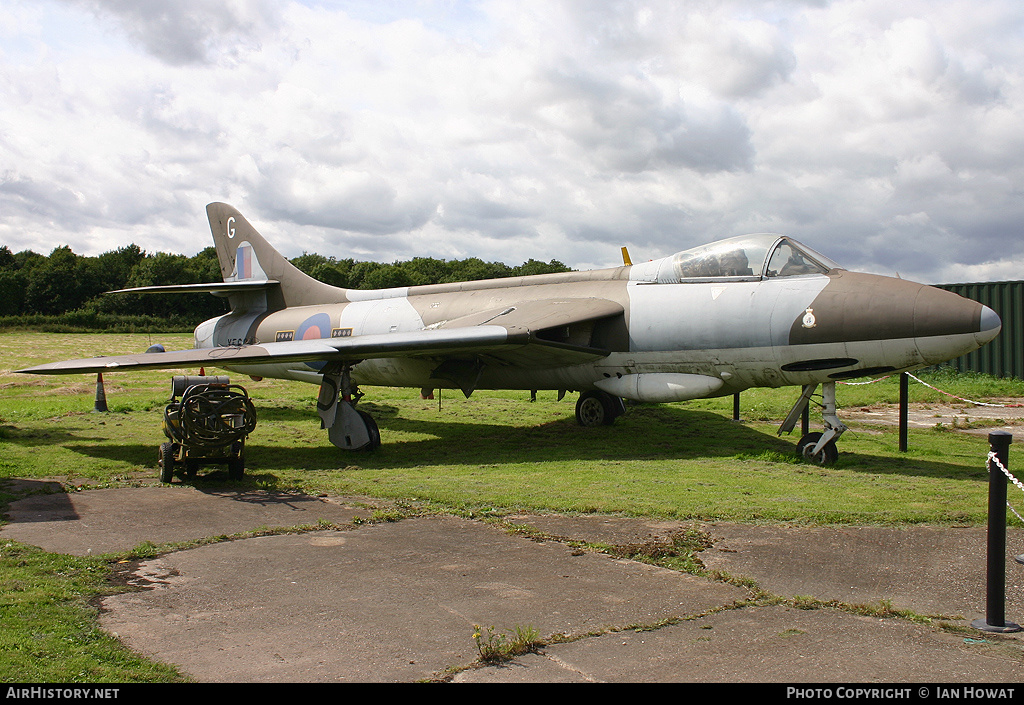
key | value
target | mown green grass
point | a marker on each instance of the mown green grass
(48, 629)
(498, 450)
(495, 453)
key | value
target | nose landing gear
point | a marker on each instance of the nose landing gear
(818, 448)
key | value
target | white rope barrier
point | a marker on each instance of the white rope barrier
(993, 458)
(940, 391)
(870, 381)
(969, 401)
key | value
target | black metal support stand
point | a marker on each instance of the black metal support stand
(736, 406)
(999, 442)
(904, 403)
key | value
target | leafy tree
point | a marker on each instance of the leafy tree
(425, 270)
(63, 282)
(205, 266)
(12, 283)
(162, 269)
(114, 268)
(325, 269)
(386, 276)
(473, 269)
(533, 266)
(27, 259)
(415, 272)
(12, 292)
(359, 272)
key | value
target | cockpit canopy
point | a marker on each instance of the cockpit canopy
(744, 257)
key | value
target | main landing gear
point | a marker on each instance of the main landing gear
(597, 408)
(818, 448)
(347, 427)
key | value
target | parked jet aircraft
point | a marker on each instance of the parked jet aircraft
(750, 311)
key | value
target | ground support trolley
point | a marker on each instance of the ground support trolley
(207, 421)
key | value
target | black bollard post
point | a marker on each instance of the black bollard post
(904, 403)
(995, 621)
(101, 396)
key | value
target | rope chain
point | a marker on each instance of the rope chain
(993, 458)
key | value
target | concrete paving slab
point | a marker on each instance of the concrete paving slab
(383, 603)
(953, 414)
(770, 644)
(399, 601)
(929, 570)
(115, 520)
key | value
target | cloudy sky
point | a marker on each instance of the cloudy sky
(887, 135)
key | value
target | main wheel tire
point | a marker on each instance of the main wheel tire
(826, 456)
(595, 408)
(372, 429)
(166, 461)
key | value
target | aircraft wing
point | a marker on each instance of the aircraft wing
(215, 288)
(540, 315)
(508, 342)
(545, 323)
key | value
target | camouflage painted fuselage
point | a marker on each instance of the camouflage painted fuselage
(660, 331)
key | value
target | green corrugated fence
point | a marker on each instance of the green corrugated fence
(1004, 356)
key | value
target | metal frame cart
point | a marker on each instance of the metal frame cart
(208, 424)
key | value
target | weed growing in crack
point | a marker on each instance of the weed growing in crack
(494, 647)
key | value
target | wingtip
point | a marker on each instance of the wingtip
(37, 370)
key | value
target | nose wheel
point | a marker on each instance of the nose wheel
(818, 448)
(826, 455)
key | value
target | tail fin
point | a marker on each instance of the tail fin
(245, 256)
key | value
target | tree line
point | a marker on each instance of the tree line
(64, 290)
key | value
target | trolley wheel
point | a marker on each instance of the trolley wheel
(166, 462)
(236, 468)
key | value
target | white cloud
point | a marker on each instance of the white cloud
(884, 134)
(187, 31)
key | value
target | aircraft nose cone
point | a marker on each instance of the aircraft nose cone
(989, 326)
(947, 325)
(916, 325)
